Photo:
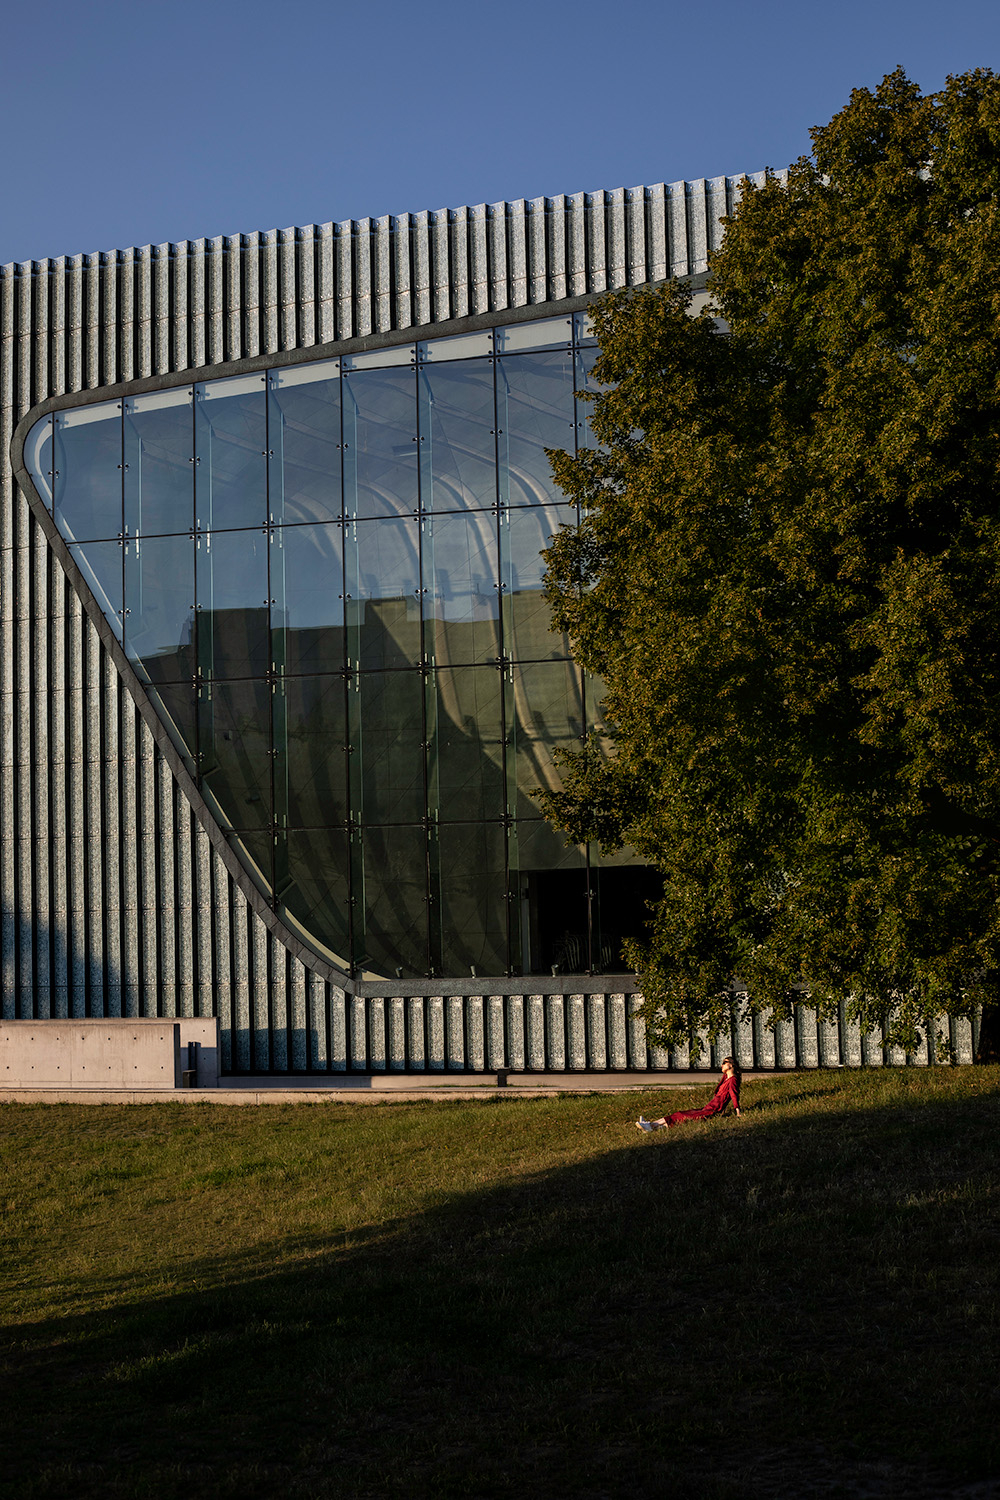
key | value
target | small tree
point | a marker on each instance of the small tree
(788, 576)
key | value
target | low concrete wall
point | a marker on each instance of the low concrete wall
(88, 1054)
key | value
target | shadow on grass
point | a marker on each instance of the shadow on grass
(799, 1307)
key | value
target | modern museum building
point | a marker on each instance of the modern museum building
(277, 675)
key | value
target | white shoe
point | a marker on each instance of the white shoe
(642, 1124)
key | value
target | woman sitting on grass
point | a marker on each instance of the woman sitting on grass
(729, 1089)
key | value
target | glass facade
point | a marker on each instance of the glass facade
(328, 577)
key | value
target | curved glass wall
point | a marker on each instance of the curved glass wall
(328, 578)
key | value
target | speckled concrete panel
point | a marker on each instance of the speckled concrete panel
(460, 259)
(576, 1033)
(807, 1040)
(595, 1034)
(415, 1011)
(377, 1039)
(479, 260)
(436, 1058)
(961, 1039)
(475, 1040)
(555, 1026)
(455, 1032)
(517, 1056)
(496, 1052)
(636, 1040)
(517, 252)
(535, 1032)
(260, 995)
(358, 1039)
(618, 1007)
(440, 273)
(395, 1009)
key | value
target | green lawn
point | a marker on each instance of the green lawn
(521, 1297)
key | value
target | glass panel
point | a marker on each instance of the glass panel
(230, 456)
(585, 361)
(380, 443)
(310, 742)
(88, 472)
(159, 463)
(38, 459)
(386, 739)
(315, 890)
(544, 709)
(535, 411)
(159, 597)
(393, 902)
(534, 335)
(551, 886)
(307, 586)
(623, 893)
(382, 572)
(597, 721)
(101, 566)
(465, 744)
(462, 346)
(583, 330)
(235, 745)
(461, 597)
(375, 359)
(458, 439)
(177, 706)
(232, 600)
(472, 914)
(524, 534)
(304, 439)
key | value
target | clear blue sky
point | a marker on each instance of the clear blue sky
(125, 124)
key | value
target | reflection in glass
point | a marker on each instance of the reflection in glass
(176, 705)
(88, 472)
(471, 922)
(307, 587)
(551, 881)
(457, 422)
(461, 598)
(465, 744)
(391, 896)
(101, 566)
(159, 597)
(623, 894)
(159, 471)
(535, 411)
(305, 443)
(234, 741)
(232, 597)
(230, 453)
(585, 361)
(315, 890)
(369, 702)
(544, 713)
(310, 743)
(524, 534)
(382, 572)
(39, 460)
(386, 732)
(380, 443)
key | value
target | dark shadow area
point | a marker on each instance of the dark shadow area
(762, 1308)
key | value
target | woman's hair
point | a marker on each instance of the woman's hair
(737, 1073)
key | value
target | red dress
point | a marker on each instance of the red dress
(728, 1090)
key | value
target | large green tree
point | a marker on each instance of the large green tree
(788, 576)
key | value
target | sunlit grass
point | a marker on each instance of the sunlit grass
(482, 1298)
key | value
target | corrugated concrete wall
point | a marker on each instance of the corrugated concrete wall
(114, 900)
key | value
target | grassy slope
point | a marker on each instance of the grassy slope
(516, 1297)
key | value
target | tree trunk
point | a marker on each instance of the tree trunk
(988, 1050)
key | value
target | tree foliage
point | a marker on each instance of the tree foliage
(788, 577)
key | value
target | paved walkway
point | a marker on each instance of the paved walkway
(375, 1088)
